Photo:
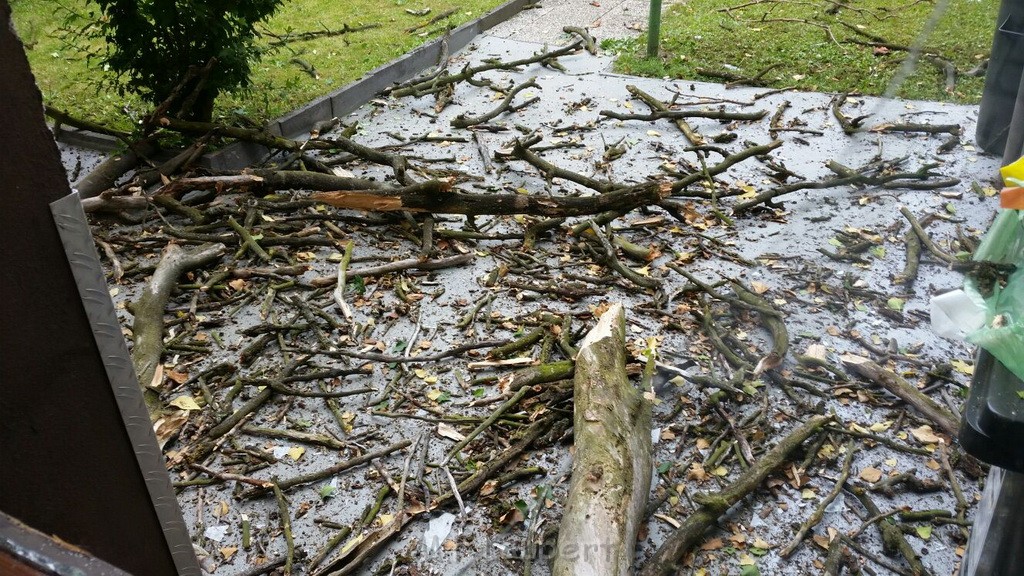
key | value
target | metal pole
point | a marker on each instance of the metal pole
(653, 28)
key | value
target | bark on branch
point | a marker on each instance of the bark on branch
(611, 474)
(889, 380)
(438, 197)
(148, 328)
(666, 559)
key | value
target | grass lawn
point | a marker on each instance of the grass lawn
(812, 48)
(281, 81)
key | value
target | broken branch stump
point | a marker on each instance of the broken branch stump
(611, 474)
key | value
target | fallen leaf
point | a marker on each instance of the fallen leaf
(488, 488)
(925, 532)
(185, 403)
(713, 544)
(178, 377)
(871, 474)
(296, 452)
(962, 367)
(221, 509)
(668, 519)
(817, 351)
(925, 434)
(880, 426)
(168, 427)
(227, 552)
(448, 431)
(696, 472)
(821, 540)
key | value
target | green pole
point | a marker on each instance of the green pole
(653, 28)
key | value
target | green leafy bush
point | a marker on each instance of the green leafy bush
(153, 44)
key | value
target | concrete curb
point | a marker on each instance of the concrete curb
(348, 98)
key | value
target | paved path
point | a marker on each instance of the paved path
(604, 19)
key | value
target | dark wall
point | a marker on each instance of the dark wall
(67, 466)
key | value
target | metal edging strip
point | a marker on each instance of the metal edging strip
(92, 288)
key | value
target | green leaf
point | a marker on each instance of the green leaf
(327, 491)
(895, 303)
(878, 251)
(664, 467)
(750, 570)
(478, 392)
(925, 532)
(522, 506)
(1020, 394)
(357, 285)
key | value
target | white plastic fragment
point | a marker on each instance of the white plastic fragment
(216, 533)
(956, 314)
(437, 530)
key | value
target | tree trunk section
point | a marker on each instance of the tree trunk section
(611, 473)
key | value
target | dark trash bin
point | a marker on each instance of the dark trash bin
(1000, 127)
(993, 431)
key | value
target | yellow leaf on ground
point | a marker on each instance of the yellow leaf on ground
(296, 452)
(880, 426)
(962, 367)
(185, 403)
(925, 434)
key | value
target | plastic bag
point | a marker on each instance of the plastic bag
(1002, 334)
